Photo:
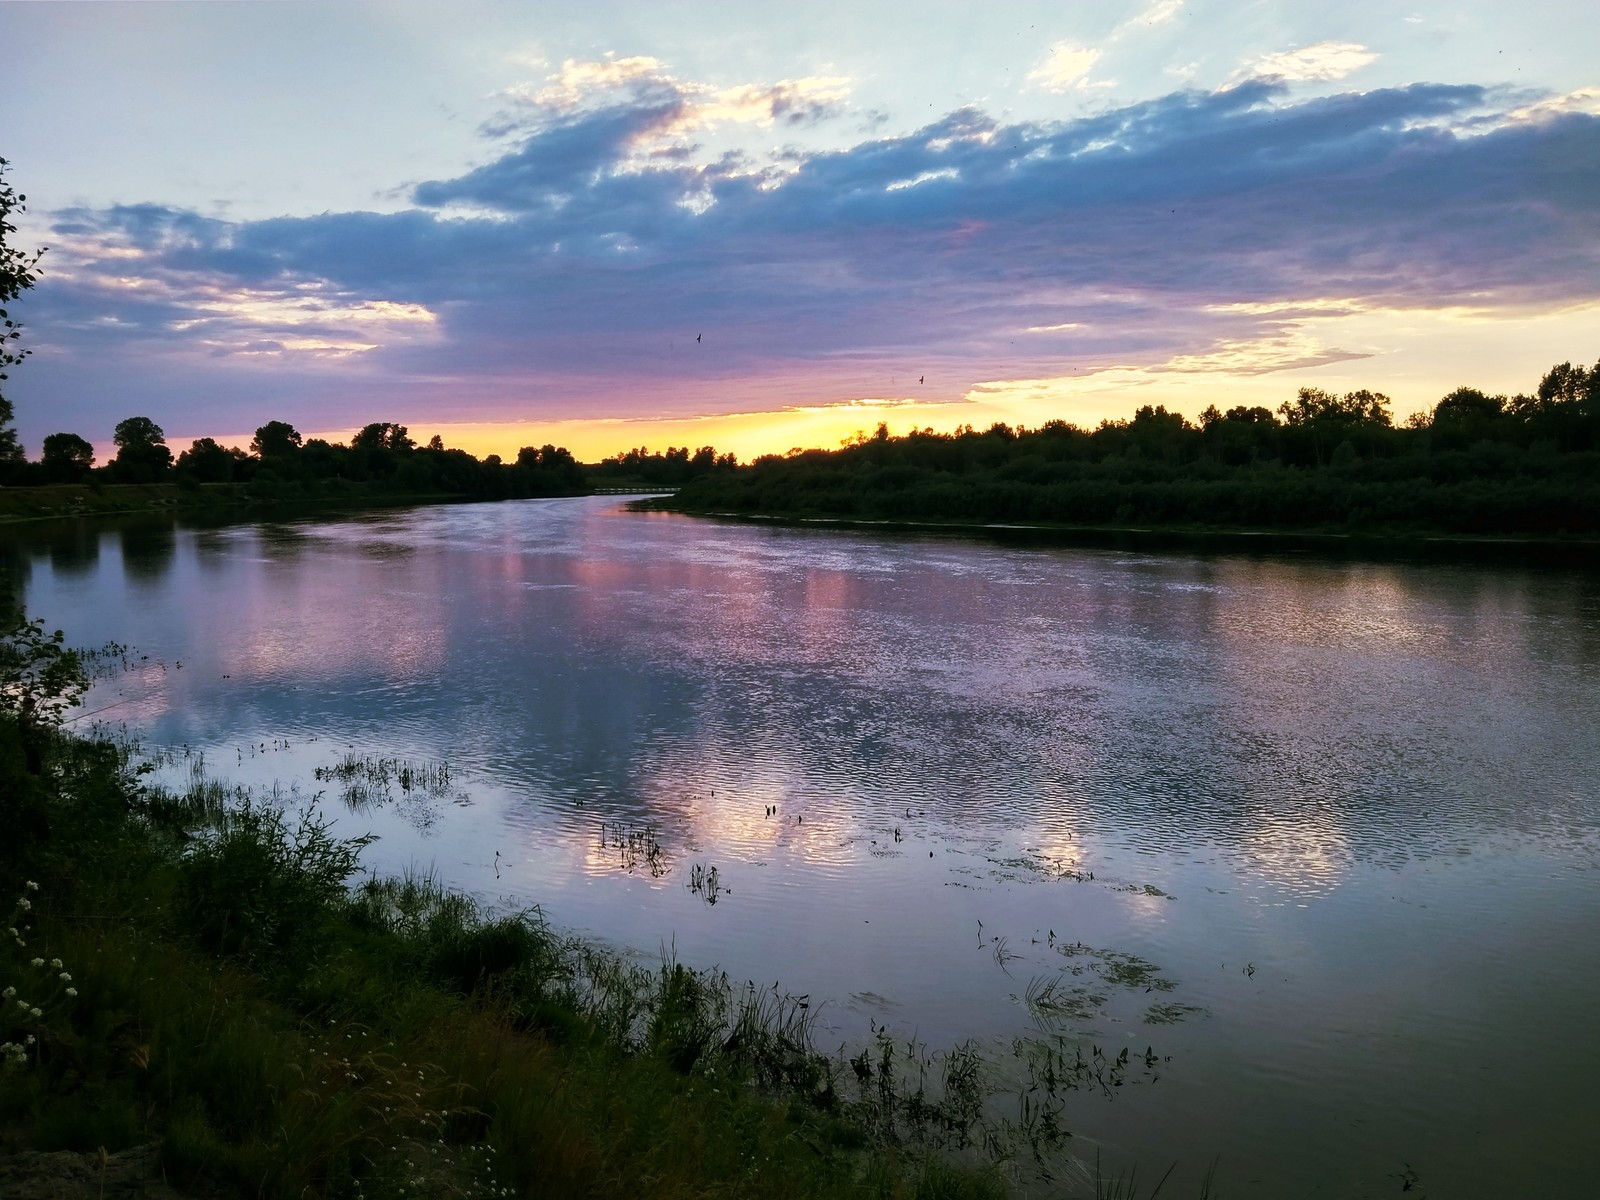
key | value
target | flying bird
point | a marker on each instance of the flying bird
(922, 379)
(697, 339)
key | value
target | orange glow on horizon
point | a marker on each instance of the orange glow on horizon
(1415, 356)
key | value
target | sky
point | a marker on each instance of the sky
(760, 227)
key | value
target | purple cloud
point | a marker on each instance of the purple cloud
(570, 275)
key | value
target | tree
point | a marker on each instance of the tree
(17, 275)
(1567, 409)
(1315, 405)
(40, 679)
(276, 439)
(205, 461)
(67, 458)
(382, 435)
(142, 453)
(1468, 404)
(1465, 416)
(1564, 384)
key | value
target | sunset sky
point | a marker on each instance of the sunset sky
(766, 226)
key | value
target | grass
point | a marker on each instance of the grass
(281, 1033)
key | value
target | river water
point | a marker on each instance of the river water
(1321, 835)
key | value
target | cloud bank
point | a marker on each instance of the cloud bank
(603, 263)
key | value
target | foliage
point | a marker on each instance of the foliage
(1478, 465)
(259, 886)
(142, 452)
(67, 458)
(40, 680)
(206, 461)
(673, 468)
(383, 435)
(276, 439)
(17, 274)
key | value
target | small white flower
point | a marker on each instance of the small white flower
(24, 904)
(23, 1005)
(8, 993)
(38, 962)
(72, 991)
(31, 1039)
(34, 1012)
(32, 886)
(66, 977)
(55, 963)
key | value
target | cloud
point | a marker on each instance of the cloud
(1319, 63)
(642, 81)
(1158, 13)
(1583, 100)
(572, 273)
(1066, 67)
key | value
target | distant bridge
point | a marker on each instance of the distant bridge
(634, 491)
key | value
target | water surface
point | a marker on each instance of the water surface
(1349, 811)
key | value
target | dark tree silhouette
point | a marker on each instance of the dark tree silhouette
(207, 462)
(67, 458)
(142, 453)
(382, 435)
(276, 439)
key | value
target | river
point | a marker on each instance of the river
(1320, 835)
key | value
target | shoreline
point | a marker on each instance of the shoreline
(1575, 551)
(26, 506)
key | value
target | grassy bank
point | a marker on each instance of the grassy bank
(197, 972)
(67, 500)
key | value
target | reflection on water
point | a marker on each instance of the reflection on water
(73, 549)
(148, 548)
(1348, 810)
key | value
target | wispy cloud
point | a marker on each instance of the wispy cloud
(1065, 68)
(1319, 63)
(1158, 13)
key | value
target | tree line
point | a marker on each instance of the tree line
(1475, 464)
(673, 468)
(382, 454)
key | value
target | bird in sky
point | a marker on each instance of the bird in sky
(697, 339)
(922, 379)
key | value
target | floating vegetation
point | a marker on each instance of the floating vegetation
(636, 846)
(1170, 1014)
(1132, 972)
(1050, 997)
(1090, 979)
(107, 661)
(1143, 889)
(705, 883)
(384, 773)
(1116, 968)
(1056, 1065)
(368, 780)
(1002, 953)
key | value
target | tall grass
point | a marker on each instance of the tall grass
(281, 1033)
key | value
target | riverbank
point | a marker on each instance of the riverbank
(192, 972)
(67, 501)
(1396, 544)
